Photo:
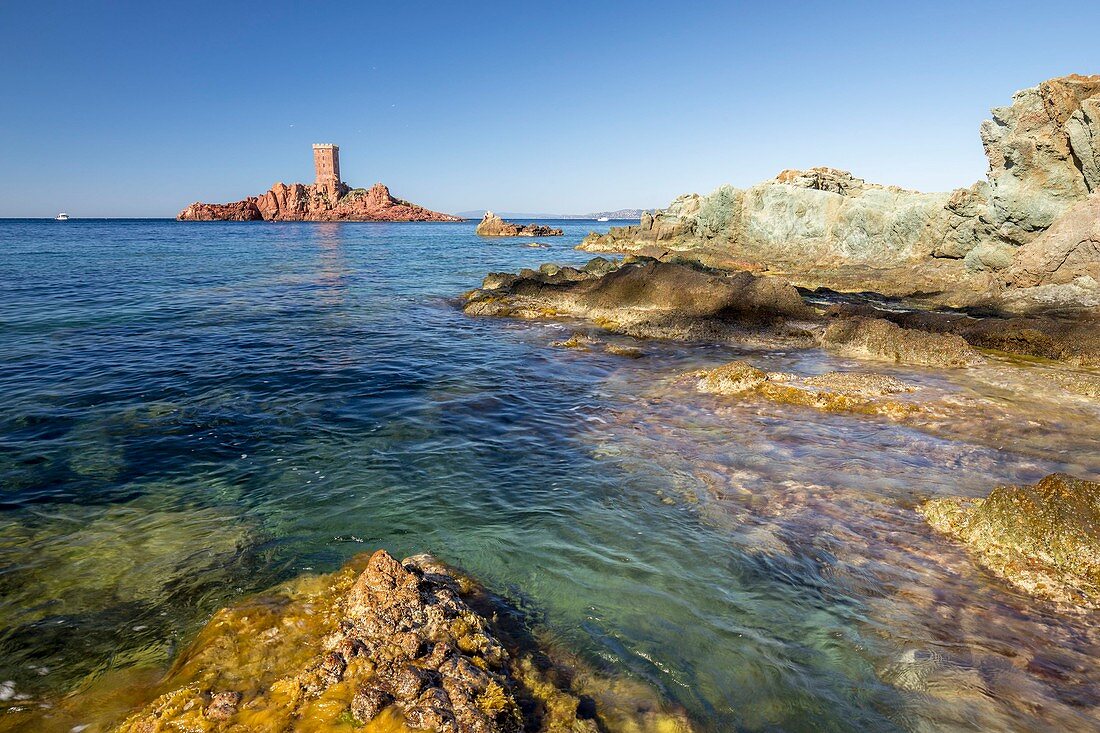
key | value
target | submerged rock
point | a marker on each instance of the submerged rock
(492, 225)
(1085, 384)
(1044, 538)
(860, 392)
(584, 342)
(399, 646)
(578, 341)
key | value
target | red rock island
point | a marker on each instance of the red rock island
(328, 199)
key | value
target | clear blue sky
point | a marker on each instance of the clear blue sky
(137, 109)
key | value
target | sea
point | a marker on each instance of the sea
(193, 412)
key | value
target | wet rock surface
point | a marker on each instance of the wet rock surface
(855, 392)
(395, 646)
(1071, 338)
(879, 338)
(492, 225)
(1043, 538)
(644, 297)
(649, 298)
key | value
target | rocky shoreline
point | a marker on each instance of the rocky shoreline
(1027, 238)
(646, 297)
(992, 281)
(1004, 270)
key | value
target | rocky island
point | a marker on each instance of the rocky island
(492, 225)
(327, 199)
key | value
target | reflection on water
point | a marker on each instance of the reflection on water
(193, 412)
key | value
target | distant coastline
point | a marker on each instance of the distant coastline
(616, 215)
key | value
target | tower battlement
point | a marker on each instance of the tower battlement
(326, 164)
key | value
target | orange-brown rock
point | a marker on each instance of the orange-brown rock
(237, 211)
(299, 202)
(492, 225)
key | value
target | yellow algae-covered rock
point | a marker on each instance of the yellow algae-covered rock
(860, 392)
(1044, 539)
(382, 646)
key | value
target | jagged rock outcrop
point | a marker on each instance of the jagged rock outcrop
(821, 227)
(299, 202)
(1045, 539)
(826, 228)
(492, 225)
(1043, 154)
(397, 645)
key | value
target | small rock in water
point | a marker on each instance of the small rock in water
(631, 352)
(578, 340)
(492, 225)
(223, 705)
(1044, 539)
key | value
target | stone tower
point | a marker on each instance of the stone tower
(326, 161)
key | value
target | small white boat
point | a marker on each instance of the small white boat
(603, 218)
(61, 217)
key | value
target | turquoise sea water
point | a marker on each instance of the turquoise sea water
(190, 412)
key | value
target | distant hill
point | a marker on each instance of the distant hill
(634, 214)
(620, 214)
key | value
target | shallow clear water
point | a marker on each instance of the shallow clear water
(191, 412)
